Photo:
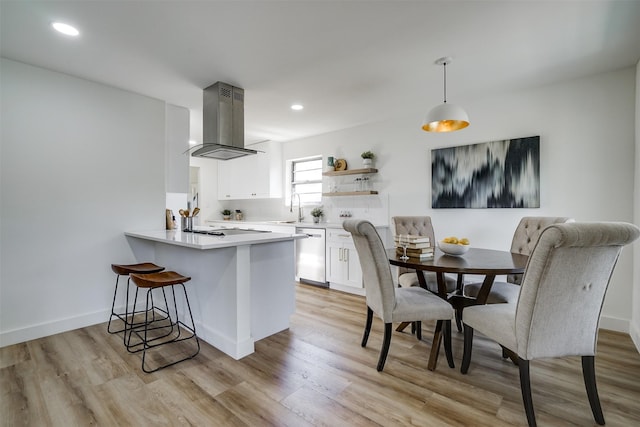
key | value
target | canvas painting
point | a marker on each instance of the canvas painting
(496, 174)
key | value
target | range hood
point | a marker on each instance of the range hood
(223, 123)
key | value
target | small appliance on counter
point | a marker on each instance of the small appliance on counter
(170, 220)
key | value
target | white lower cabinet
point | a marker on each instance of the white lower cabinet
(343, 265)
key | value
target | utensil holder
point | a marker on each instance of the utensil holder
(186, 223)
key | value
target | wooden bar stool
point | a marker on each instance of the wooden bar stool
(152, 333)
(126, 270)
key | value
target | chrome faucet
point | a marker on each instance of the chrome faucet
(300, 217)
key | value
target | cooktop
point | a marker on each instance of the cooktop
(228, 231)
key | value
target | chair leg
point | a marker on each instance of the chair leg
(468, 345)
(447, 343)
(113, 306)
(460, 291)
(435, 346)
(418, 326)
(459, 320)
(525, 386)
(385, 346)
(126, 339)
(367, 327)
(589, 374)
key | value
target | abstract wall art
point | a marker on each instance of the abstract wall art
(495, 174)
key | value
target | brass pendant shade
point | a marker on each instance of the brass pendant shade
(445, 117)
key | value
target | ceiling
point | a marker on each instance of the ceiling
(347, 62)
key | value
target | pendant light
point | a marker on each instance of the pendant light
(445, 117)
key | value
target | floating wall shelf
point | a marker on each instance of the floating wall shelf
(350, 172)
(349, 193)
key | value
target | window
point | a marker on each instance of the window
(306, 180)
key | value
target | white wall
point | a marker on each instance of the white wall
(177, 142)
(635, 319)
(587, 163)
(80, 164)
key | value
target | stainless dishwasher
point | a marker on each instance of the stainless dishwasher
(310, 256)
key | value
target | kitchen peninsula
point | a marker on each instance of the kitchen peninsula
(242, 285)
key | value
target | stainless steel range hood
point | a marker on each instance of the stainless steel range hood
(223, 123)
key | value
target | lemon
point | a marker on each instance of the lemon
(455, 241)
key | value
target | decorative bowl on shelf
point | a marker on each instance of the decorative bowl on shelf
(453, 248)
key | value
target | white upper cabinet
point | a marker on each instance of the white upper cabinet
(256, 176)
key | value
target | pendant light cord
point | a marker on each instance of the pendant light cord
(445, 82)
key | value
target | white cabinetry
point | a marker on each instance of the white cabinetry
(256, 176)
(343, 265)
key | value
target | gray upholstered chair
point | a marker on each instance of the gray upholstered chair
(394, 304)
(558, 308)
(421, 226)
(524, 239)
(418, 226)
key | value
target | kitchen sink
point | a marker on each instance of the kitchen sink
(292, 221)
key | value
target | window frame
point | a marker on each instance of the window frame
(292, 183)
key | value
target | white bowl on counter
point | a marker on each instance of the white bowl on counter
(453, 248)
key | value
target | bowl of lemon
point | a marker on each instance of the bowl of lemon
(454, 246)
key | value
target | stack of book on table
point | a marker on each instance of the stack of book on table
(417, 246)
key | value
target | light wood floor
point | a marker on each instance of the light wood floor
(316, 373)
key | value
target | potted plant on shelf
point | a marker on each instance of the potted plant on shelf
(316, 213)
(367, 159)
(226, 214)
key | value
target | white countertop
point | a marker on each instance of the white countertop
(204, 241)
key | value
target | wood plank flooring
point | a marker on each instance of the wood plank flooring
(314, 374)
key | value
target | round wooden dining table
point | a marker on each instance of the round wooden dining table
(487, 262)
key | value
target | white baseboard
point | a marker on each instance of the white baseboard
(33, 332)
(614, 324)
(347, 289)
(634, 331)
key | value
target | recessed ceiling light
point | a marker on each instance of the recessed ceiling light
(65, 29)
(297, 107)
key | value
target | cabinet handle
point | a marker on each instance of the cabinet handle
(346, 255)
(340, 254)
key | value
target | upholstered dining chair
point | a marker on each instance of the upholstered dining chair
(394, 304)
(525, 238)
(558, 308)
(418, 226)
(422, 226)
